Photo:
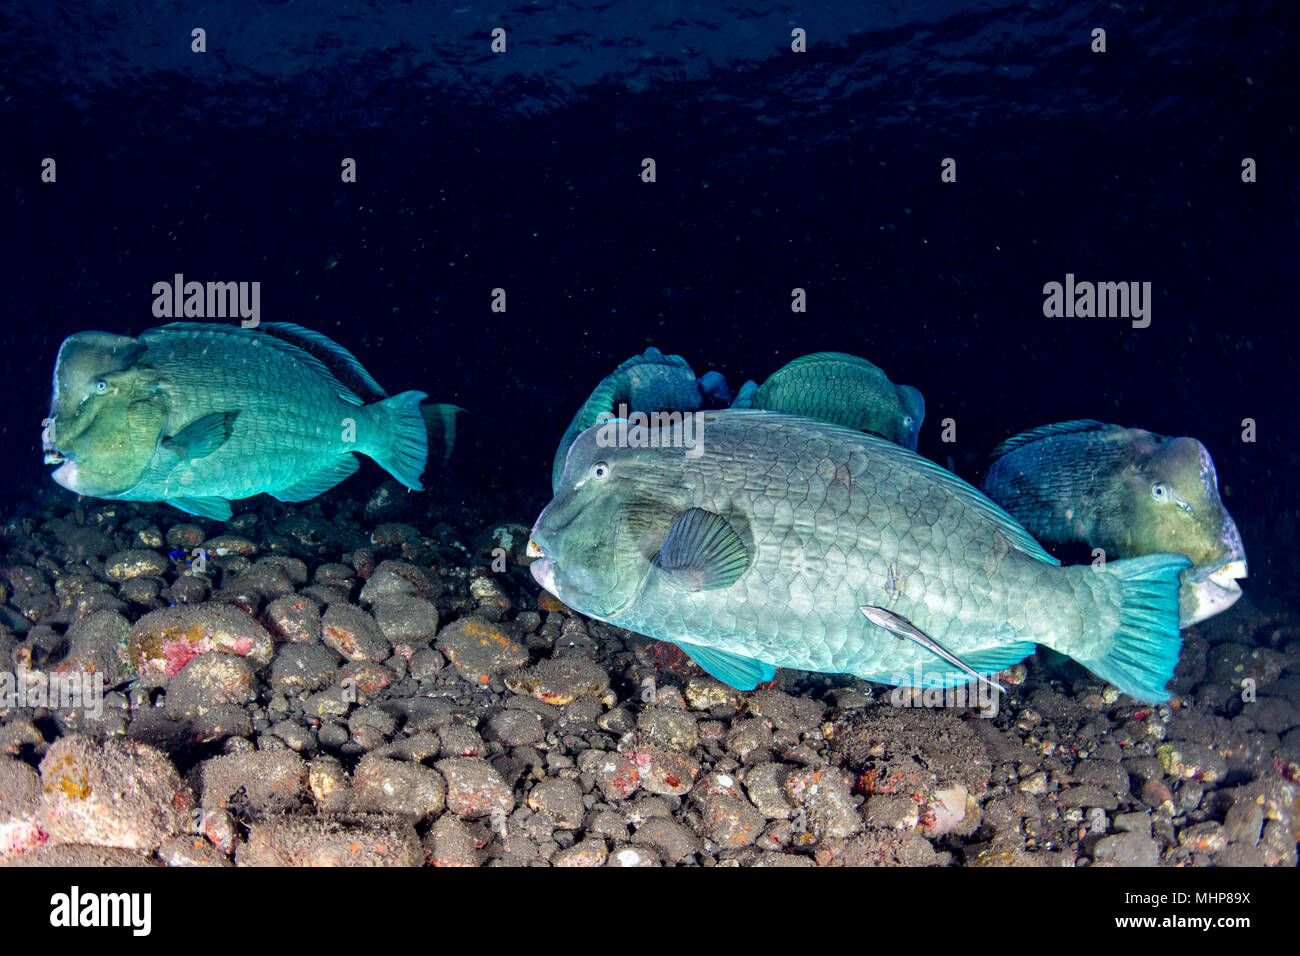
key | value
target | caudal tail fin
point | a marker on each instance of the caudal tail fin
(440, 421)
(1141, 655)
(402, 445)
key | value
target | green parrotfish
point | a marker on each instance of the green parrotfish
(196, 415)
(649, 382)
(844, 390)
(795, 543)
(1128, 492)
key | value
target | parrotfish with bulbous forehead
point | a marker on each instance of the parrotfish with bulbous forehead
(841, 389)
(1128, 492)
(791, 542)
(649, 382)
(195, 415)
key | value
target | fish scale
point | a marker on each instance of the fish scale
(903, 535)
(260, 381)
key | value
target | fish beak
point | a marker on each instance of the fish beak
(1211, 591)
(1227, 575)
(533, 551)
(54, 458)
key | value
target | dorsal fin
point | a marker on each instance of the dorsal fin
(1077, 427)
(652, 356)
(335, 357)
(210, 331)
(844, 357)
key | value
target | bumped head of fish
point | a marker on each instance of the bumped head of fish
(911, 415)
(106, 414)
(596, 540)
(1177, 508)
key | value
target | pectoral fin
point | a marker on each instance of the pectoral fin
(702, 551)
(742, 673)
(202, 436)
(903, 628)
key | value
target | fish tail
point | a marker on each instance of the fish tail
(440, 420)
(402, 448)
(1142, 653)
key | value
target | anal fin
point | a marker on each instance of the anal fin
(742, 673)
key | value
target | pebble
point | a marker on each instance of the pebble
(589, 852)
(353, 633)
(673, 841)
(20, 800)
(617, 776)
(560, 680)
(825, 797)
(480, 649)
(99, 644)
(185, 536)
(425, 663)
(1244, 822)
(1207, 837)
(474, 788)
(450, 843)
(514, 728)
(304, 841)
(406, 619)
(395, 787)
(329, 785)
(765, 784)
(1126, 849)
(669, 727)
(210, 681)
(661, 769)
(294, 618)
(729, 819)
(299, 668)
(560, 800)
(1189, 760)
(135, 563)
(365, 678)
(255, 785)
(117, 794)
(164, 641)
(79, 856)
(892, 812)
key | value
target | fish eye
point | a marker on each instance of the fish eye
(1160, 491)
(600, 470)
(907, 421)
(101, 386)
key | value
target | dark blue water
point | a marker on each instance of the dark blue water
(775, 170)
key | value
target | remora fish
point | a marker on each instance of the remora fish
(844, 390)
(788, 538)
(195, 414)
(649, 382)
(1130, 493)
